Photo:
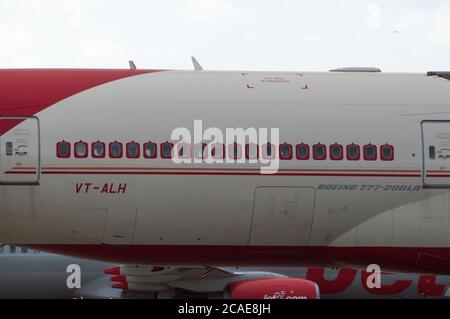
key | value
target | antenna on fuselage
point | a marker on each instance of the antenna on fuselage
(197, 65)
(132, 65)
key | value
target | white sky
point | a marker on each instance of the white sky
(395, 35)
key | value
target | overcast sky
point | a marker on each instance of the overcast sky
(395, 35)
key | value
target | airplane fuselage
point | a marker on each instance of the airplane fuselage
(372, 189)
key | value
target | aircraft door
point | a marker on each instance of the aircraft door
(436, 154)
(19, 151)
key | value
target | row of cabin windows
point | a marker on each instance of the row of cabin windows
(319, 152)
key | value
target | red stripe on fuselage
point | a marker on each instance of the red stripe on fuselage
(27, 92)
(215, 171)
(205, 173)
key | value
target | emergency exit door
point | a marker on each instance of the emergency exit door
(436, 154)
(19, 151)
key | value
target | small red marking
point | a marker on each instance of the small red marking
(119, 278)
(112, 271)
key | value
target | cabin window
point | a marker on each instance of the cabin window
(285, 151)
(184, 150)
(201, 150)
(98, 150)
(370, 152)
(81, 149)
(336, 152)
(319, 152)
(268, 151)
(116, 150)
(150, 150)
(63, 150)
(218, 151)
(387, 152)
(251, 152)
(432, 152)
(9, 148)
(133, 150)
(234, 151)
(166, 150)
(353, 153)
(302, 152)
